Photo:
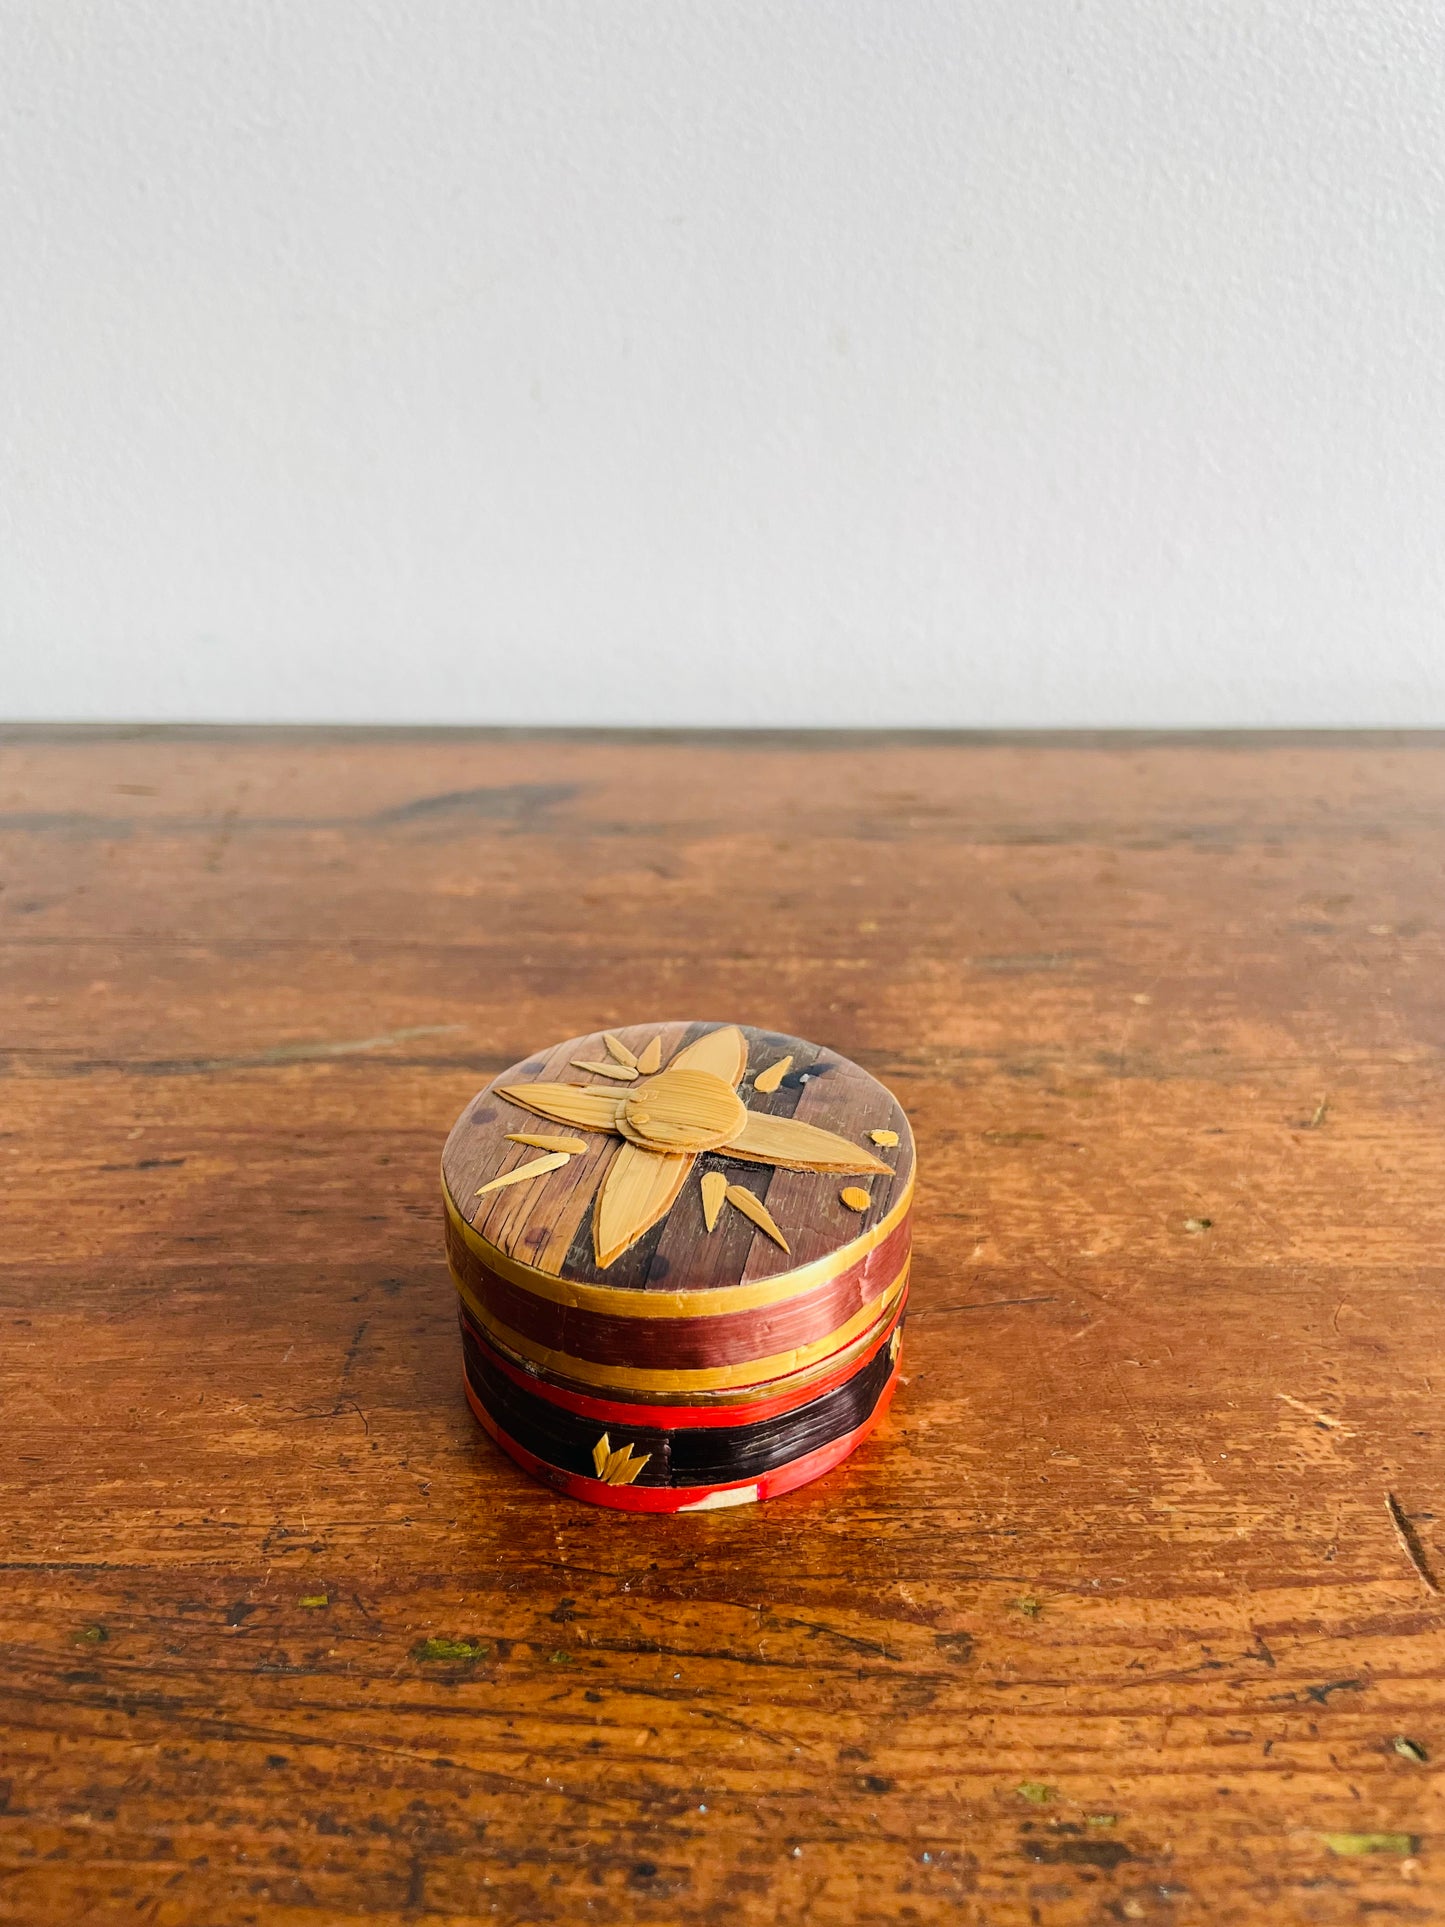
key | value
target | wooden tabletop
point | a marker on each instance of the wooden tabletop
(1110, 1622)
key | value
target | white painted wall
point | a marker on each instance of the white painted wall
(737, 361)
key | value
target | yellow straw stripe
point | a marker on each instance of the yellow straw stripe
(622, 1303)
(751, 1371)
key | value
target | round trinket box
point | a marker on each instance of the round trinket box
(682, 1253)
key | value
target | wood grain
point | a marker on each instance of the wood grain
(1110, 1621)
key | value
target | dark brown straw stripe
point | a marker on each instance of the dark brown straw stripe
(767, 1400)
(682, 1344)
(816, 1375)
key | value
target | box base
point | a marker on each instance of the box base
(685, 1498)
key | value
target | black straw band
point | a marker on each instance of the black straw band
(689, 1456)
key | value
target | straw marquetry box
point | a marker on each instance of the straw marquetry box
(682, 1256)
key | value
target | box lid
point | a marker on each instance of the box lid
(684, 1198)
(638, 1117)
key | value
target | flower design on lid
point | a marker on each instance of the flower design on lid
(667, 1117)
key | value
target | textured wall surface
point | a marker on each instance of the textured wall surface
(685, 362)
